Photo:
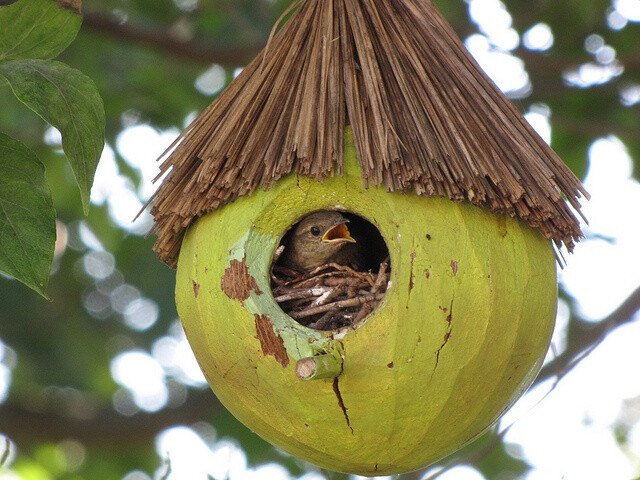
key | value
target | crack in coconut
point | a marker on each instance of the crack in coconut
(447, 334)
(336, 389)
(270, 341)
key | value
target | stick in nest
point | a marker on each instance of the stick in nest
(331, 296)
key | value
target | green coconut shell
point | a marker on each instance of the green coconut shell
(460, 334)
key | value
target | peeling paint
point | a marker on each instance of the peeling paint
(454, 267)
(236, 282)
(271, 343)
(412, 276)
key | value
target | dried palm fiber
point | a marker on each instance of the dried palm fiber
(425, 118)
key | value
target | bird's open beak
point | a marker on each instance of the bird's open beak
(339, 233)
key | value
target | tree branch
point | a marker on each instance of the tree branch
(587, 127)
(107, 428)
(585, 336)
(206, 51)
(160, 39)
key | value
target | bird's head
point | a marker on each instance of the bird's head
(319, 236)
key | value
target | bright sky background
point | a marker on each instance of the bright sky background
(568, 434)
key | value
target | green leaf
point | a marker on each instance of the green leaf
(27, 217)
(69, 101)
(31, 29)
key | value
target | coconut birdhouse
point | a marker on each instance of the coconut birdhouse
(364, 231)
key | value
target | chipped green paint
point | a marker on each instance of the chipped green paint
(460, 334)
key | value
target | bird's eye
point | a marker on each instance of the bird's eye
(315, 231)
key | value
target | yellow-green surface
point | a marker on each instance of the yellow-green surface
(460, 334)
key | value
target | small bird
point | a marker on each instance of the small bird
(319, 238)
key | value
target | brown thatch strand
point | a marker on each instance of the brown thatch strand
(425, 118)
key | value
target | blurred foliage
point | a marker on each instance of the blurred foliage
(145, 56)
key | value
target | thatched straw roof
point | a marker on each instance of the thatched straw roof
(425, 117)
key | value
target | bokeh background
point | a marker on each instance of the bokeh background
(99, 383)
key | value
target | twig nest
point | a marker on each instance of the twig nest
(331, 296)
(459, 334)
